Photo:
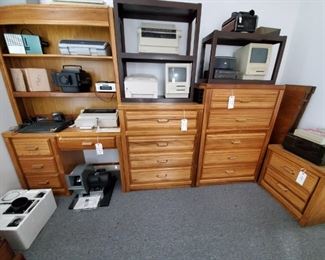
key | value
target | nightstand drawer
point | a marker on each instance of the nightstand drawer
(231, 156)
(281, 186)
(32, 147)
(77, 143)
(159, 120)
(234, 141)
(160, 175)
(290, 170)
(239, 118)
(160, 160)
(39, 165)
(228, 171)
(150, 144)
(244, 98)
(44, 181)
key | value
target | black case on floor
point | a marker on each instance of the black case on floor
(306, 149)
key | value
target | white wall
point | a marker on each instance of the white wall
(8, 178)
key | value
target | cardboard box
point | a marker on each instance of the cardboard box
(19, 80)
(38, 79)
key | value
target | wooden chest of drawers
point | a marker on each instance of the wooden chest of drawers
(306, 200)
(157, 153)
(233, 141)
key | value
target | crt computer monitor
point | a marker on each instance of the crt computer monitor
(178, 80)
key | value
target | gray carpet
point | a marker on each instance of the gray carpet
(237, 221)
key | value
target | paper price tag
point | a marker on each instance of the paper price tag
(184, 125)
(99, 149)
(231, 102)
(302, 176)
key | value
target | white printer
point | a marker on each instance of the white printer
(83, 47)
(141, 86)
(91, 118)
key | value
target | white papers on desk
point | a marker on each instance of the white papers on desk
(88, 202)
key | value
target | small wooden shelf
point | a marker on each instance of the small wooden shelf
(62, 94)
(155, 57)
(42, 56)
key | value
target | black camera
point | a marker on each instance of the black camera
(72, 79)
(241, 22)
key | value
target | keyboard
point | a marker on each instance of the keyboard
(45, 126)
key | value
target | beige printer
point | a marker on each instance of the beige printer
(97, 118)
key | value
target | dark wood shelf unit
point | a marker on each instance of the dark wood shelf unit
(238, 39)
(189, 13)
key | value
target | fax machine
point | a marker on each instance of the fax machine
(90, 118)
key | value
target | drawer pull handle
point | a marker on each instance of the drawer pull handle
(288, 169)
(162, 120)
(161, 176)
(44, 183)
(32, 148)
(229, 171)
(235, 141)
(245, 101)
(241, 119)
(37, 166)
(162, 161)
(87, 143)
(282, 187)
(232, 157)
(162, 144)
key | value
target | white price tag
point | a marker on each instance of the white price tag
(184, 125)
(302, 176)
(99, 149)
(231, 102)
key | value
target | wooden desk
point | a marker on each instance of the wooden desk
(42, 160)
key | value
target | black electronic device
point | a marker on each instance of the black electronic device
(223, 74)
(241, 22)
(58, 117)
(304, 148)
(72, 79)
(44, 126)
(225, 63)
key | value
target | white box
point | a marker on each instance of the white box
(18, 79)
(38, 79)
(141, 86)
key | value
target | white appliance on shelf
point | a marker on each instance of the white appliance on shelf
(178, 80)
(101, 118)
(21, 227)
(141, 86)
(158, 38)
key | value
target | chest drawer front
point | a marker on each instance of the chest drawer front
(71, 143)
(31, 147)
(239, 118)
(149, 144)
(280, 186)
(290, 170)
(44, 181)
(160, 175)
(234, 141)
(160, 160)
(39, 165)
(159, 120)
(231, 156)
(244, 98)
(228, 171)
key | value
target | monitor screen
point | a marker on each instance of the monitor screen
(176, 74)
(259, 55)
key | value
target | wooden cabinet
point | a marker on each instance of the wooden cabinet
(157, 153)
(233, 141)
(38, 161)
(305, 201)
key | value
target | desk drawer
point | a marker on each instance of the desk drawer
(239, 118)
(159, 120)
(149, 144)
(160, 175)
(32, 147)
(228, 171)
(160, 160)
(234, 141)
(281, 186)
(290, 170)
(39, 165)
(78, 143)
(244, 98)
(44, 181)
(231, 156)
